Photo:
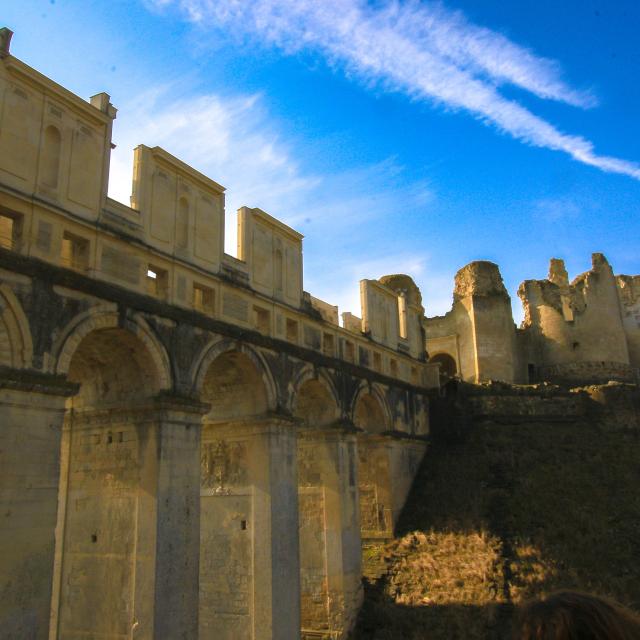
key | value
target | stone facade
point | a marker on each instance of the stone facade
(188, 439)
(583, 332)
(191, 446)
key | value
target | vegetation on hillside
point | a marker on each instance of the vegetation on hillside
(507, 513)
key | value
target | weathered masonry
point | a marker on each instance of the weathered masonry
(583, 332)
(190, 444)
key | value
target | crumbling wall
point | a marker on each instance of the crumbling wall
(513, 404)
(574, 331)
(410, 311)
(615, 405)
(629, 294)
(482, 323)
(493, 323)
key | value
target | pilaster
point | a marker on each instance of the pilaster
(129, 521)
(249, 566)
(31, 415)
(330, 555)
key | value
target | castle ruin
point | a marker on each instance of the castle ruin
(191, 446)
(583, 332)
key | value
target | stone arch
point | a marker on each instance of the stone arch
(369, 409)
(216, 349)
(315, 400)
(16, 344)
(109, 460)
(103, 319)
(114, 369)
(448, 365)
(244, 447)
(306, 374)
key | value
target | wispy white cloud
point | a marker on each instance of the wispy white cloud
(421, 49)
(233, 140)
(229, 138)
(339, 281)
(555, 209)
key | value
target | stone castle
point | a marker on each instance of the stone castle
(586, 331)
(191, 445)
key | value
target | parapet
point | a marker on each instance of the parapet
(182, 209)
(273, 253)
(479, 278)
(54, 145)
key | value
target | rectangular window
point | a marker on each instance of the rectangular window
(262, 320)
(328, 344)
(393, 368)
(157, 282)
(10, 231)
(349, 351)
(203, 299)
(75, 252)
(292, 330)
(311, 336)
(377, 362)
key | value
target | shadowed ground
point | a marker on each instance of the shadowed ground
(505, 513)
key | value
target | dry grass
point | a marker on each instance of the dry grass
(422, 572)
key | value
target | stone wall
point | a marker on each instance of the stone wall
(629, 293)
(614, 405)
(184, 435)
(478, 333)
(586, 331)
(577, 373)
(577, 322)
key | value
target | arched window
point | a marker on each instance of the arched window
(182, 223)
(51, 156)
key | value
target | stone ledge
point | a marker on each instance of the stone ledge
(31, 381)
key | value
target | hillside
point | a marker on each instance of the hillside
(504, 513)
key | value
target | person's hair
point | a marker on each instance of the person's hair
(570, 615)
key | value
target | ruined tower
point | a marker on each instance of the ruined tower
(574, 332)
(478, 333)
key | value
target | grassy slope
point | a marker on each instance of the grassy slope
(513, 512)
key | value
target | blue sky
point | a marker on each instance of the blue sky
(397, 136)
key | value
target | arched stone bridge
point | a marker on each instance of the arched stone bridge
(191, 454)
(190, 445)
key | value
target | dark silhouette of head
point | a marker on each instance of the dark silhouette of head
(570, 615)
